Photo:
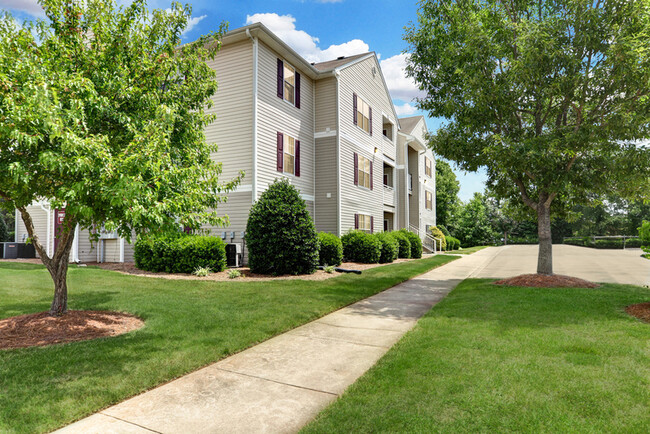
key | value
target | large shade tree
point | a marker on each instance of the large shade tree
(102, 112)
(447, 188)
(550, 96)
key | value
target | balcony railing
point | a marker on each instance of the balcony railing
(389, 195)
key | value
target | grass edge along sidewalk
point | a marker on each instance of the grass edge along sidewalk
(188, 325)
(508, 359)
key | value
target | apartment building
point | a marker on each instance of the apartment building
(330, 128)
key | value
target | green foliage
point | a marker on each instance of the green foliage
(579, 241)
(329, 269)
(280, 233)
(331, 249)
(202, 271)
(473, 226)
(404, 244)
(233, 273)
(389, 247)
(452, 243)
(633, 243)
(359, 246)
(4, 233)
(416, 243)
(644, 234)
(523, 240)
(447, 188)
(179, 253)
(437, 233)
(444, 230)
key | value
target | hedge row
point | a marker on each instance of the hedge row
(179, 253)
(383, 247)
(603, 243)
(452, 243)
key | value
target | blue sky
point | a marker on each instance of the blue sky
(319, 30)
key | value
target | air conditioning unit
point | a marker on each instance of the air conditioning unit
(234, 255)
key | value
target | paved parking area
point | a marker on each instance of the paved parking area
(596, 265)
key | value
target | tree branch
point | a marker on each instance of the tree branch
(524, 194)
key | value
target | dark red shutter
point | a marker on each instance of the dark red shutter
(280, 152)
(297, 157)
(280, 79)
(372, 224)
(371, 175)
(370, 118)
(297, 90)
(356, 221)
(354, 108)
(356, 169)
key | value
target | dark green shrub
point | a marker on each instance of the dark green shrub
(280, 234)
(612, 243)
(404, 245)
(179, 253)
(452, 243)
(580, 241)
(644, 235)
(361, 247)
(331, 249)
(416, 243)
(633, 242)
(523, 240)
(389, 247)
(444, 230)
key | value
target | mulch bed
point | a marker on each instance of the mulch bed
(641, 311)
(544, 281)
(40, 329)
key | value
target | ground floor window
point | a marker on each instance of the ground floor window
(363, 222)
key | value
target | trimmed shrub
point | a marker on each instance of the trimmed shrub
(612, 243)
(179, 253)
(644, 235)
(633, 242)
(361, 247)
(331, 249)
(389, 247)
(452, 243)
(437, 233)
(444, 230)
(416, 243)
(280, 233)
(404, 245)
(579, 241)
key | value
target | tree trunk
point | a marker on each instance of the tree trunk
(59, 271)
(505, 238)
(545, 257)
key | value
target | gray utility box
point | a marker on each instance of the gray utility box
(18, 250)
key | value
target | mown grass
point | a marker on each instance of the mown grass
(469, 250)
(188, 324)
(498, 359)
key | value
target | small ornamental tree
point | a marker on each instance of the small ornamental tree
(644, 235)
(551, 97)
(437, 233)
(280, 234)
(102, 112)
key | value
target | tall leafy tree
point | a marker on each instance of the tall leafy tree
(474, 226)
(447, 188)
(102, 112)
(550, 96)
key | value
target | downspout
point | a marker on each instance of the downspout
(121, 250)
(16, 226)
(48, 211)
(255, 61)
(337, 74)
(75, 245)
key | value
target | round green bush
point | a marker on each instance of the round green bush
(361, 247)
(452, 243)
(389, 247)
(280, 234)
(179, 253)
(437, 233)
(404, 245)
(416, 243)
(331, 249)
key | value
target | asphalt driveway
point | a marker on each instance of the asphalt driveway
(611, 266)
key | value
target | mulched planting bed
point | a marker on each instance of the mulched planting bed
(544, 281)
(641, 311)
(40, 329)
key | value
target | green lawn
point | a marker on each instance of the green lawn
(499, 359)
(188, 324)
(468, 250)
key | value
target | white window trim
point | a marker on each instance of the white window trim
(359, 98)
(369, 172)
(284, 98)
(285, 138)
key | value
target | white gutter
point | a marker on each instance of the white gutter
(75, 245)
(48, 211)
(16, 226)
(121, 249)
(337, 75)
(255, 62)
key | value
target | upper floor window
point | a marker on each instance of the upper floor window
(428, 167)
(362, 171)
(288, 83)
(362, 114)
(288, 158)
(428, 199)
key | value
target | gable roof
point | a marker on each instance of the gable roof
(407, 125)
(338, 62)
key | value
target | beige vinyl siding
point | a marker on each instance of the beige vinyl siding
(233, 105)
(39, 218)
(325, 94)
(277, 115)
(356, 199)
(359, 79)
(326, 217)
(237, 209)
(401, 184)
(87, 248)
(427, 217)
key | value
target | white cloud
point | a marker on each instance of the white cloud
(405, 109)
(192, 22)
(400, 86)
(30, 7)
(284, 26)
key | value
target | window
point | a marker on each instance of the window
(288, 83)
(362, 114)
(289, 155)
(428, 167)
(364, 222)
(362, 171)
(428, 197)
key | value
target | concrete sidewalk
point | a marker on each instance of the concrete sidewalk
(282, 384)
